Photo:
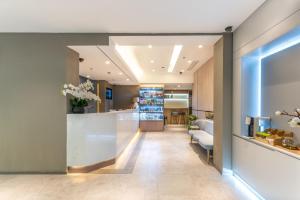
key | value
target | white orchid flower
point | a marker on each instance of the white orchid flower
(294, 122)
(278, 113)
(82, 91)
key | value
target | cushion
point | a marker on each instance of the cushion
(191, 132)
(206, 125)
(209, 126)
(205, 139)
(200, 123)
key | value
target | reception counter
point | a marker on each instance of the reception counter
(96, 139)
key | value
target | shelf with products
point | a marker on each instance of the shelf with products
(176, 96)
(151, 105)
(151, 108)
(152, 93)
(151, 101)
(144, 116)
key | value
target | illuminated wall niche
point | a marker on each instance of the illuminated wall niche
(251, 74)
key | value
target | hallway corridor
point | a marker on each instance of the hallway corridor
(167, 167)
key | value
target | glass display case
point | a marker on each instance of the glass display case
(151, 103)
(151, 108)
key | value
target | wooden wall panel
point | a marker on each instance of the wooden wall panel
(203, 88)
(195, 95)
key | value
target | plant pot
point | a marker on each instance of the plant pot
(78, 110)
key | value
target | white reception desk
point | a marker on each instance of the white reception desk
(96, 138)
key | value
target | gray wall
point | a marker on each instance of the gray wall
(106, 104)
(281, 85)
(72, 72)
(223, 102)
(273, 19)
(33, 69)
(123, 95)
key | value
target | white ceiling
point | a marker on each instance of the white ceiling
(98, 66)
(160, 54)
(146, 16)
(153, 62)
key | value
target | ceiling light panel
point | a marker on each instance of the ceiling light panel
(175, 54)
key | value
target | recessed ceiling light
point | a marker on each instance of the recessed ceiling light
(153, 70)
(200, 46)
(107, 62)
(174, 58)
(149, 46)
(91, 68)
(127, 79)
(88, 76)
(120, 73)
(108, 72)
(152, 61)
(178, 85)
(189, 61)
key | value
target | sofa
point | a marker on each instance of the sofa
(205, 136)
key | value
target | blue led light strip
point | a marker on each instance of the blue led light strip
(282, 46)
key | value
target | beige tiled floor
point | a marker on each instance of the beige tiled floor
(167, 168)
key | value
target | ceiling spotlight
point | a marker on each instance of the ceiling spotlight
(163, 67)
(107, 62)
(150, 46)
(127, 79)
(88, 76)
(151, 61)
(120, 73)
(200, 46)
(91, 68)
(153, 70)
(189, 61)
(108, 72)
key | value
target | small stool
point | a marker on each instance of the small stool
(174, 116)
(165, 120)
(181, 117)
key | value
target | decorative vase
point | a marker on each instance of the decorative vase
(78, 110)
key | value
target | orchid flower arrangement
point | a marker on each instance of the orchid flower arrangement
(81, 93)
(295, 120)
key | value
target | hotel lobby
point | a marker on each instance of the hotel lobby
(150, 100)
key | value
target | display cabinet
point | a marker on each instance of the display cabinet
(151, 108)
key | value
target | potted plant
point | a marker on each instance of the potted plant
(81, 94)
(191, 119)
